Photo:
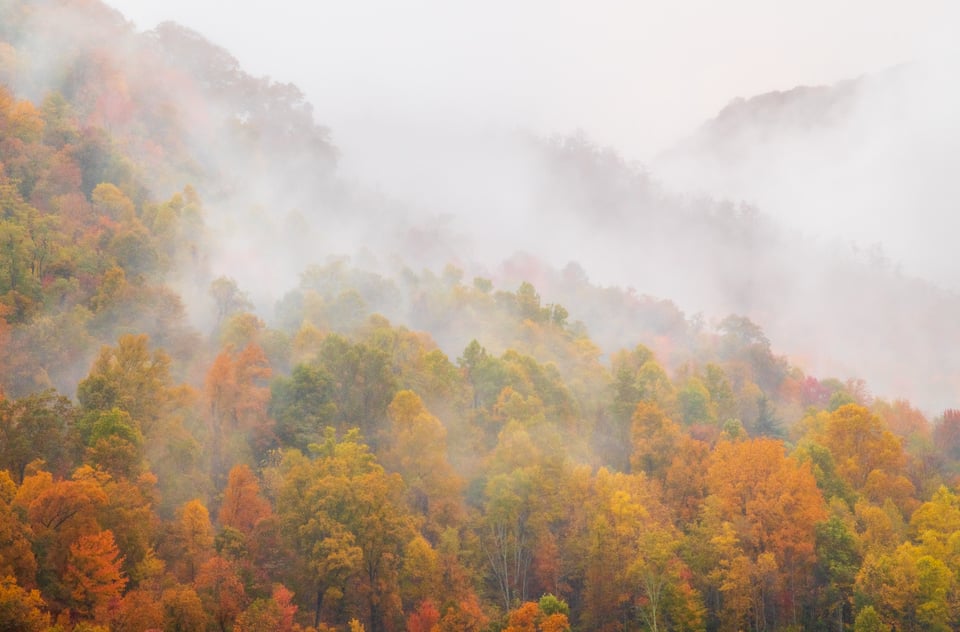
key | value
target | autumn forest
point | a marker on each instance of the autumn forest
(406, 442)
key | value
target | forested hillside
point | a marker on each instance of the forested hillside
(240, 393)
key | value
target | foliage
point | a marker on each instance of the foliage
(329, 468)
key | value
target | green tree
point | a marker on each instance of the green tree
(132, 378)
(302, 405)
(35, 427)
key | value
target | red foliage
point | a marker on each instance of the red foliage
(424, 618)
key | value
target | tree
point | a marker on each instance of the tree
(35, 427)
(484, 373)
(237, 395)
(131, 378)
(114, 443)
(838, 560)
(191, 542)
(58, 513)
(860, 444)
(21, 610)
(693, 403)
(111, 202)
(463, 616)
(243, 506)
(524, 618)
(913, 590)
(139, 610)
(638, 377)
(424, 619)
(344, 517)
(302, 405)
(364, 384)
(228, 298)
(665, 599)
(220, 591)
(17, 561)
(685, 481)
(507, 534)
(767, 423)
(421, 573)
(946, 434)
(129, 514)
(655, 440)
(771, 506)
(269, 615)
(936, 522)
(869, 621)
(93, 575)
(633, 569)
(417, 450)
(183, 610)
(744, 341)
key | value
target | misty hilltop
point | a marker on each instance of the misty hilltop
(864, 161)
(181, 110)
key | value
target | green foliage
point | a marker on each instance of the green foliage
(343, 515)
(549, 604)
(381, 481)
(869, 621)
(302, 405)
(36, 427)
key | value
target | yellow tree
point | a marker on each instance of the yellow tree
(860, 445)
(909, 589)
(417, 450)
(191, 540)
(633, 568)
(16, 557)
(345, 518)
(655, 440)
(21, 610)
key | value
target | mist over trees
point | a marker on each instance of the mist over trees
(238, 392)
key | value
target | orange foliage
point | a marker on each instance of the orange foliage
(93, 575)
(237, 393)
(772, 498)
(139, 610)
(243, 506)
(220, 590)
(524, 618)
(464, 616)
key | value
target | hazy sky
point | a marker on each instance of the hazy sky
(412, 90)
(635, 75)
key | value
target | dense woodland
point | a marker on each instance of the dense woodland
(417, 450)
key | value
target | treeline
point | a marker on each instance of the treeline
(325, 479)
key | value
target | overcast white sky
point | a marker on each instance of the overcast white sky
(636, 75)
